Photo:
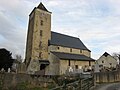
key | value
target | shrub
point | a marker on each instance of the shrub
(22, 86)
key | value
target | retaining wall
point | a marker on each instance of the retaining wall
(11, 80)
(107, 77)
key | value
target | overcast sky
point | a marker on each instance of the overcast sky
(95, 22)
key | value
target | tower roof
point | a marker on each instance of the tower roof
(42, 7)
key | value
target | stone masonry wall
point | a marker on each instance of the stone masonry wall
(8, 80)
(68, 50)
(105, 77)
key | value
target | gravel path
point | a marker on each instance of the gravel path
(110, 86)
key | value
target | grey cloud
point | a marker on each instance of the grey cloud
(13, 34)
(78, 19)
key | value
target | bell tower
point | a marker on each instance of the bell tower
(39, 33)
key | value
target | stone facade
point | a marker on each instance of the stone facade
(69, 50)
(107, 77)
(59, 66)
(10, 81)
(39, 49)
(107, 60)
(37, 40)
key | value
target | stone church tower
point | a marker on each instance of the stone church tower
(52, 53)
(39, 33)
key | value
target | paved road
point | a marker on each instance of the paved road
(111, 86)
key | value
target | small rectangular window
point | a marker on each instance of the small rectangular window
(76, 66)
(41, 22)
(102, 61)
(40, 44)
(71, 50)
(48, 42)
(69, 62)
(80, 51)
(58, 48)
(40, 55)
(41, 33)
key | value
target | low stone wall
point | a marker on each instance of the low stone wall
(8, 80)
(106, 77)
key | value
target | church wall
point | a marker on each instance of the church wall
(69, 50)
(86, 53)
(92, 63)
(64, 64)
(54, 66)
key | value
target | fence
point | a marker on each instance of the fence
(81, 84)
(106, 77)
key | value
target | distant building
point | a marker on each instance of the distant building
(106, 60)
(52, 53)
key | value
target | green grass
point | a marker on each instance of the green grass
(22, 86)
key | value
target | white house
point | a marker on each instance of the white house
(106, 60)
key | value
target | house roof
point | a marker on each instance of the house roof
(67, 41)
(106, 54)
(68, 56)
(42, 7)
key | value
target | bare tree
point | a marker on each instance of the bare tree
(117, 56)
(18, 58)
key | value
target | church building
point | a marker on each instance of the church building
(52, 53)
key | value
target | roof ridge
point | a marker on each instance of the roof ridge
(65, 35)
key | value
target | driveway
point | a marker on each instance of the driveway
(110, 86)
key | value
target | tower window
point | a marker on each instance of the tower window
(71, 50)
(41, 22)
(58, 47)
(40, 44)
(48, 42)
(41, 32)
(40, 54)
